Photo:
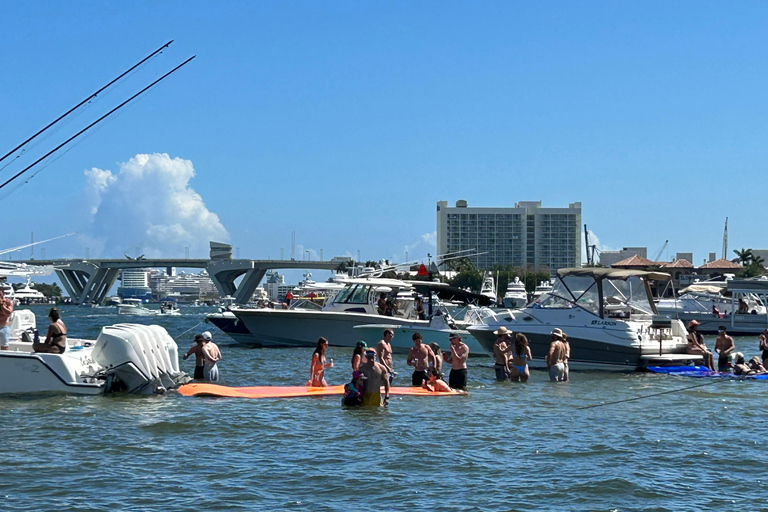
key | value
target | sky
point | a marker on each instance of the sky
(346, 122)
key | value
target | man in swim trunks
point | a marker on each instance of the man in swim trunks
(556, 357)
(723, 346)
(457, 379)
(211, 356)
(420, 357)
(384, 352)
(501, 353)
(6, 310)
(375, 377)
(197, 349)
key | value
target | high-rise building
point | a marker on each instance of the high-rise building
(524, 236)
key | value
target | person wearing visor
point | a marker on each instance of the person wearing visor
(724, 345)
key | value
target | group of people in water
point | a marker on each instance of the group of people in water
(728, 360)
(511, 357)
(207, 356)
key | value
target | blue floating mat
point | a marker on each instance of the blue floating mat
(701, 372)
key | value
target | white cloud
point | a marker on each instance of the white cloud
(149, 204)
(594, 240)
(418, 250)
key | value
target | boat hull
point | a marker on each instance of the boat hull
(44, 373)
(735, 324)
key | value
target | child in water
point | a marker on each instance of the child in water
(353, 391)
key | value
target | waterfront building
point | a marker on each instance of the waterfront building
(524, 236)
(134, 284)
(611, 258)
(274, 284)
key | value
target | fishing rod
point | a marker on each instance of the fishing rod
(166, 45)
(95, 122)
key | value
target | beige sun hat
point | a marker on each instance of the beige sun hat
(501, 331)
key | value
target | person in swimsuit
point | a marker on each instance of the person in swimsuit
(567, 347)
(211, 358)
(556, 357)
(376, 376)
(501, 353)
(384, 352)
(521, 354)
(457, 357)
(723, 346)
(6, 310)
(197, 350)
(358, 356)
(438, 358)
(434, 383)
(56, 339)
(763, 346)
(421, 358)
(353, 391)
(696, 345)
(318, 365)
(419, 308)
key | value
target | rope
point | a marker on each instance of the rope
(185, 332)
(650, 396)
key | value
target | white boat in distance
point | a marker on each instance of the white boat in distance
(608, 315)
(133, 307)
(516, 297)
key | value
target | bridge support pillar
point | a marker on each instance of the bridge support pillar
(224, 273)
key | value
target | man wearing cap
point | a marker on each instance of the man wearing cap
(375, 377)
(420, 357)
(555, 358)
(724, 345)
(211, 356)
(501, 353)
(197, 349)
(696, 345)
(384, 352)
(457, 379)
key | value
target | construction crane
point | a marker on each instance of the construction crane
(725, 240)
(661, 250)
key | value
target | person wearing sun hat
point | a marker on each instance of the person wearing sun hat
(696, 345)
(556, 356)
(501, 353)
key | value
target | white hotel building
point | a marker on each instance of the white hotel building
(524, 236)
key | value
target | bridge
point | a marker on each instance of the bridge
(91, 280)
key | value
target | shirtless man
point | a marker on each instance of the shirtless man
(458, 355)
(723, 346)
(375, 377)
(6, 310)
(420, 357)
(211, 356)
(696, 345)
(501, 353)
(384, 352)
(555, 358)
(197, 349)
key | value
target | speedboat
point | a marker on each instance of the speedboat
(608, 315)
(169, 306)
(133, 307)
(139, 359)
(516, 296)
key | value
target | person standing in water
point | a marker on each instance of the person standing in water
(375, 377)
(521, 354)
(197, 350)
(724, 345)
(211, 358)
(384, 352)
(318, 365)
(500, 353)
(457, 379)
(421, 358)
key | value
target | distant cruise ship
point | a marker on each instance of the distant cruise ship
(134, 284)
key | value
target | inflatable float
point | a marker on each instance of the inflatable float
(703, 372)
(199, 389)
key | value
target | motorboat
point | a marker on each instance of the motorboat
(737, 304)
(515, 297)
(28, 295)
(169, 306)
(114, 301)
(133, 307)
(138, 359)
(608, 315)
(489, 288)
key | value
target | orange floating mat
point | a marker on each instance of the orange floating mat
(288, 391)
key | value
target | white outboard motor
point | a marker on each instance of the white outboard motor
(138, 358)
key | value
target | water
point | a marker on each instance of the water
(505, 447)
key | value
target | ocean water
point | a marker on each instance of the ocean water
(504, 447)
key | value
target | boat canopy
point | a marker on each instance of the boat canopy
(759, 286)
(714, 288)
(447, 292)
(612, 273)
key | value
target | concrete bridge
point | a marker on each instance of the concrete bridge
(91, 280)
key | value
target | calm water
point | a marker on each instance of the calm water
(505, 447)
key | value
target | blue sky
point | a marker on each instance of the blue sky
(347, 121)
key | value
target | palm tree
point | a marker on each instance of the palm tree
(744, 256)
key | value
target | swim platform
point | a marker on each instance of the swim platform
(202, 389)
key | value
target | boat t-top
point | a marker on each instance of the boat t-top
(608, 315)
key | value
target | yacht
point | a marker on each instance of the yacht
(28, 295)
(135, 358)
(489, 288)
(516, 296)
(608, 315)
(133, 307)
(542, 289)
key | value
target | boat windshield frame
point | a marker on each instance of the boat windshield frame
(597, 294)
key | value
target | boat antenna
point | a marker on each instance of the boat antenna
(65, 114)
(95, 122)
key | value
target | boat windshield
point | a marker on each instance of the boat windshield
(620, 296)
(353, 294)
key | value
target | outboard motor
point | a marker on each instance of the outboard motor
(139, 359)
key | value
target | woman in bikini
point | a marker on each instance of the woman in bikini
(521, 354)
(318, 365)
(358, 356)
(56, 339)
